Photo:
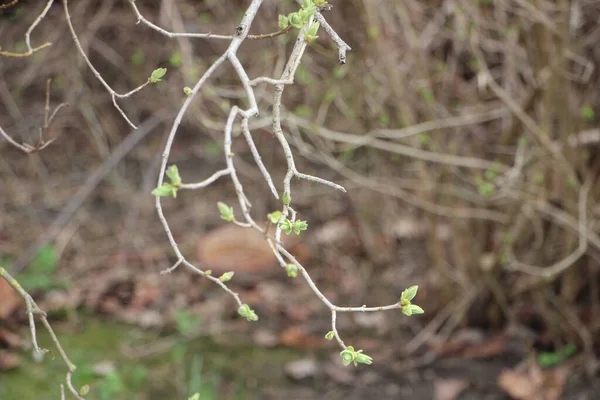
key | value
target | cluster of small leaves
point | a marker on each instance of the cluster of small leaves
(169, 189)
(296, 226)
(157, 75)
(351, 356)
(406, 306)
(226, 212)
(292, 270)
(300, 19)
(248, 313)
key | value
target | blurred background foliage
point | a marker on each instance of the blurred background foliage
(466, 132)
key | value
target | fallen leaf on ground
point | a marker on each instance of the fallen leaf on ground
(302, 369)
(8, 360)
(336, 371)
(471, 349)
(533, 383)
(9, 339)
(104, 368)
(299, 338)
(449, 389)
(232, 248)
(9, 300)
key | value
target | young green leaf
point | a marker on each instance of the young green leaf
(287, 226)
(295, 20)
(248, 313)
(284, 22)
(363, 358)
(226, 276)
(157, 75)
(330, 335)
(188, 91)
(406, 310)
(274, 217)
(313, 29)
(226, 212)
(415, 309)
(306, 13)
(165, 190)
(348, 355)
(300, 226)
(410, 293)
(173, 175)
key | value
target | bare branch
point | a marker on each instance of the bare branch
(30, 50)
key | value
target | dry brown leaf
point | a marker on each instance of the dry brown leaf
(145, 293)
(9, 300)
(533, 383)
(336, 371)
(459, 348)
(8, 360)
(9, 339)
(449, 389)
(302, 369)
(298, 338)
(232, 248)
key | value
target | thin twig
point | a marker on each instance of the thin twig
(32, 311)
(114, 95)
(30, 50)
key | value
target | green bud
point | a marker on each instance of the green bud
(284, 22)
(348, 355)
(330, 335)
(296, 20)
(274, 217)
(292, 270)
(287, 226)
(157, 75)
(363, 358)
(306, 3)
(226, 211)
(313, 29)
(248, 313)
(306, 13)
(286, 199)
(188, 91)
(319, 3)
(226, 276)
(208, 272)
(173, 174)
(406, 310)
(300, 226)
(84, 390)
